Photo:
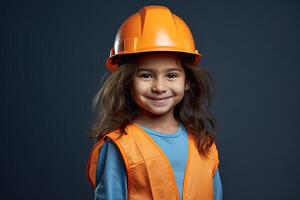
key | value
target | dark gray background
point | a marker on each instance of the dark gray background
(52, 60)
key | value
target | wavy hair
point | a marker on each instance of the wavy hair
(113, 107)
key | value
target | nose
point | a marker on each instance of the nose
(159, 86)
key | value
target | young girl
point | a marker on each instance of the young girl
(155, 135)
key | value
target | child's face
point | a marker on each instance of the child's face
(159, 83)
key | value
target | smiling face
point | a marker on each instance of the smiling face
(159, 84)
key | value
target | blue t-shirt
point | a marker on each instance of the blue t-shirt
(111, 178)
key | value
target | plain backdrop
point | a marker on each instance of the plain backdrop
(52, 61)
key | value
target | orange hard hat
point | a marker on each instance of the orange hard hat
(152, 29)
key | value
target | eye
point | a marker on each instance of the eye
(145, 75)
(172, 75)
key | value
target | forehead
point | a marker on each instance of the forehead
(160, 62)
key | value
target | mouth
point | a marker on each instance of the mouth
(159, 101)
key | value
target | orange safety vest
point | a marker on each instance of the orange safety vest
(149, 173)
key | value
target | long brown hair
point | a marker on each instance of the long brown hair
(113, 107)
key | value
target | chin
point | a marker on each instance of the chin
(158, 111)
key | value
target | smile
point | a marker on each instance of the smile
(159, 102)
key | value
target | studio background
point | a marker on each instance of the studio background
(52, 61)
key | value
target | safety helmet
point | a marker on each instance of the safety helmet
(152, 29)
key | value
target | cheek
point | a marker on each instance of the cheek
(179, 87)
(138, 87)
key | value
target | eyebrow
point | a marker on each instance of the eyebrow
(171, 69)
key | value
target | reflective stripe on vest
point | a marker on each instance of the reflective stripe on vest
(149, 173)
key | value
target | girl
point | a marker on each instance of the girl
(155, 135)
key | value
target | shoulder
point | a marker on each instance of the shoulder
(213, 152)
(109, 158)
(108, 148)
(126, 137)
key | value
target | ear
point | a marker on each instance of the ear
(187, 86)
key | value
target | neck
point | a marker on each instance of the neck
(165, 123)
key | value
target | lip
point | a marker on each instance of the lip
(159, 101)
(161, 98)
